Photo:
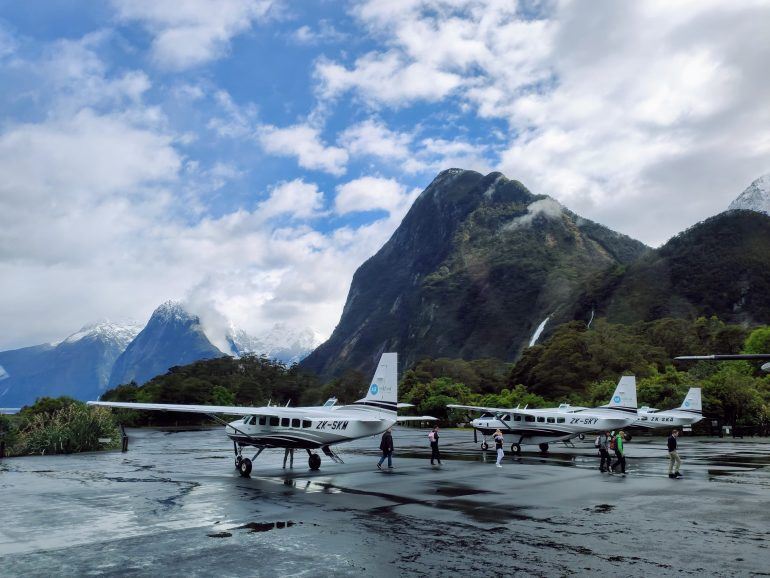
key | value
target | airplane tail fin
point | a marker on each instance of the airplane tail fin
(624, 398)
(692, 401)
(383, 391)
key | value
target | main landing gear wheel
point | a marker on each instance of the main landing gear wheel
(238, 460)
(484, 446)
(515, 448)
(544, 448)
(314, 461)
(581, 437)
(245, 467)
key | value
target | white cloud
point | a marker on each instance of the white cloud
(296, 198)
(372, 193)
(323, 32)
(304, 142)
(193, 32)
(373, 138)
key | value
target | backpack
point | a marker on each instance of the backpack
(432, 437)
(613, 443)
(597, 444)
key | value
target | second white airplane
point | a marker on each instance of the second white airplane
(688, 413)
(543, 426)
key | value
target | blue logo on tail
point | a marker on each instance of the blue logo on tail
(616, 399)
(374, 389)
(687, 403)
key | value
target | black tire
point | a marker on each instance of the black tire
(245, 467)
(516, 449)
(238, 460)
(544, 447)
(581, 437)
(484, 446)
(314, 462)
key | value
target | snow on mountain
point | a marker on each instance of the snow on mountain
(120, 334)
(281, 342)
(756, 197)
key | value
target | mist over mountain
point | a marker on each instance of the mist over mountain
(472, 271)
(282, 343)
(79, 366)
(171, 337)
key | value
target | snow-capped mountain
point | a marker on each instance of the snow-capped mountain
(756, 197)
(173, 336)
(283, 343)
(78, 366)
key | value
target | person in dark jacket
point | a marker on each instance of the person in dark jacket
(604, 451)
(434, 453)
(386, 445)
(673, 457)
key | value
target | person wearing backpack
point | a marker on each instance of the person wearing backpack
(674, 461)
(434, 453)
(616, 444)
(602, 442)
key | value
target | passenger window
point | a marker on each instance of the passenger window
(559, 420)
(529, 418)
(550, 420)
(274, 421)
(517, 418)
(262, 420)
(540, 418)
(295, 423)
(285, 422)
(306, 423)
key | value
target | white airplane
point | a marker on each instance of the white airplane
(688, 413)
(542, 426)
(307, 428)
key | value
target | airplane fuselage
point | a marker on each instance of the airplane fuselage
(544, 426)
(666, 419)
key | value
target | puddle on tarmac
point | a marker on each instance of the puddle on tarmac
(254, 527)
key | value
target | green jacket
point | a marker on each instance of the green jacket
(619, 444)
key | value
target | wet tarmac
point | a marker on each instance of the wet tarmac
(175, 505)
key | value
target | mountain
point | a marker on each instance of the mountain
(171, 337)
(756, 197)
(79, 366)
(474, 269)
(717, 267)
(282, 343)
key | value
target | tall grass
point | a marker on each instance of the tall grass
(74, 428)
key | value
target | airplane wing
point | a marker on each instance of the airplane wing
(300, 412)
(478, 408)
(408, 418)
(746, 356)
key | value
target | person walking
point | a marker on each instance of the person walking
(434, 453)
(620, 453)
(499, 446)
(288, 453)
(386, 445)
(674, 462)
(604, 451)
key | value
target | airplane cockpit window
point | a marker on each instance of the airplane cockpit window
(274, 421)
(507, 417)
(330, 402)
(529, 418)
(262, 420)
(284, 422)
(295, 423)
(487, 415)
(246, 418)
(253, 420)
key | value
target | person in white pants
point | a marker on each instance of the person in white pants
(499, 446)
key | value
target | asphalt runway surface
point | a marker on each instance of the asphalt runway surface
(175, 505)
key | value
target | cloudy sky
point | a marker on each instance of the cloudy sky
(247, 155)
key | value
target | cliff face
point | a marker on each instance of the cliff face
(474, 268)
